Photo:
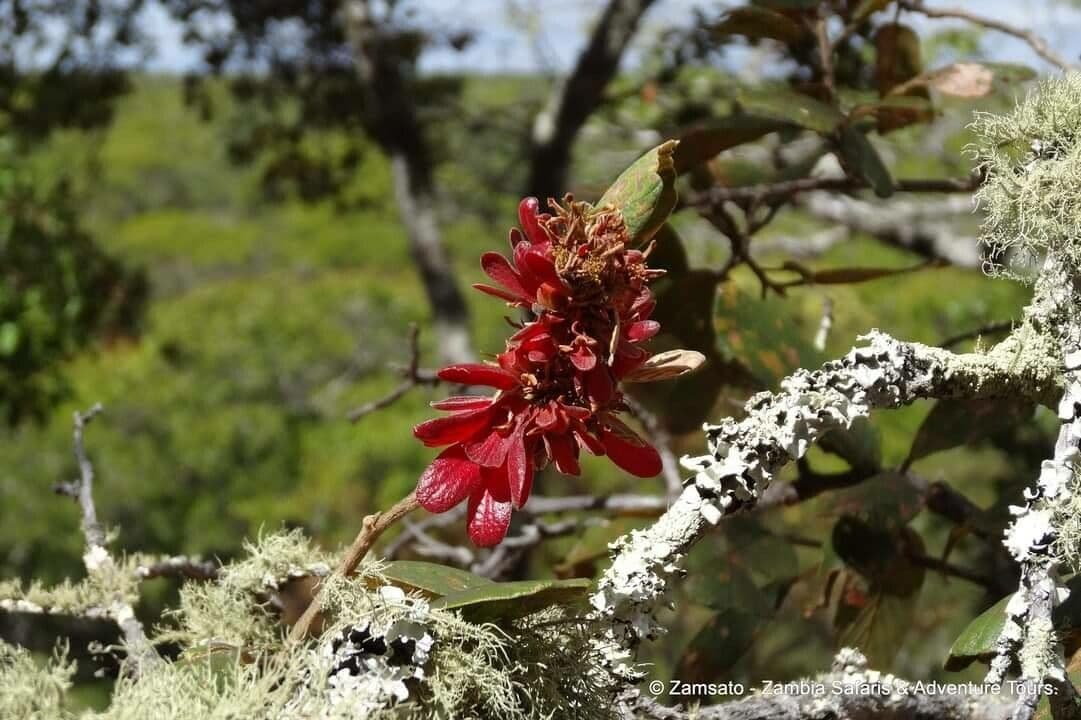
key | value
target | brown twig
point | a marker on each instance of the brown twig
(1038, 44)
(371, 528)
(412, 373)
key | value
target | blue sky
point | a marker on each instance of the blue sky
(516, 37)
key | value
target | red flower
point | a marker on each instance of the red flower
(557, 382)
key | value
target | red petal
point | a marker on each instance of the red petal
(631, 452)
(520, 468)
(516, 237)
(564, 453)
(527, 218)
(583, 358)
(479, 374)
(628, 358)
(498, 292)
(458, 403)
(447, 481)
(542, 269)
(497, 268)
(452, 429)
(489, 514)
(588, 441)
(489, 451)
(643, 330)
(599, 385)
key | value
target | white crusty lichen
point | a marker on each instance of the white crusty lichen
(744, 455)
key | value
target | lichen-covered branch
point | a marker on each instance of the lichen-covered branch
(115, 603)
(745, 455)
(1036, 538)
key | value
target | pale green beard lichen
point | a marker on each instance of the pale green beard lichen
(32, 691)
(1032, 194)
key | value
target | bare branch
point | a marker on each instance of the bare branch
(413, 374)
(98, 561)
(791, 188)
(1038, 44)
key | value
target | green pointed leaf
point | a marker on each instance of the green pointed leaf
(787, 105)
(498, 601)
(431, 578)
(879, 628)
(977, 640)
(863, 161)
(954, 422)
(867, 8)
(702, 142)
(645, 193)
(759, 22)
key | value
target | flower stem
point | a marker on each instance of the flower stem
(373, 526)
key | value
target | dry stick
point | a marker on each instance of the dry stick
(373, 526)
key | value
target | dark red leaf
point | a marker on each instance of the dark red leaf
(519, 467)
(643, 330)
(629, 451)
(489, 513)
(489, 451)
(564, 452)
(452, 429)
(458, 403)
(447, 481)
(479, 374)
(498, 269)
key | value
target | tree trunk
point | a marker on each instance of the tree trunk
(578, 96)
(393, 122)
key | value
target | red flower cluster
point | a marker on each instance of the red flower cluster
(556, 384)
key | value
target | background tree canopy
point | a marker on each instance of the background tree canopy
(228, 254)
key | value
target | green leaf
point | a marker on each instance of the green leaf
(431, 578)
(879, 628)
(954, 422)
(759, 22)
(787, 105)
(977, 640)
(702, 142)
(763, 334)
(498, 601)
(863, 161)
(720, 643)
(867, 8)
(645, 193)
